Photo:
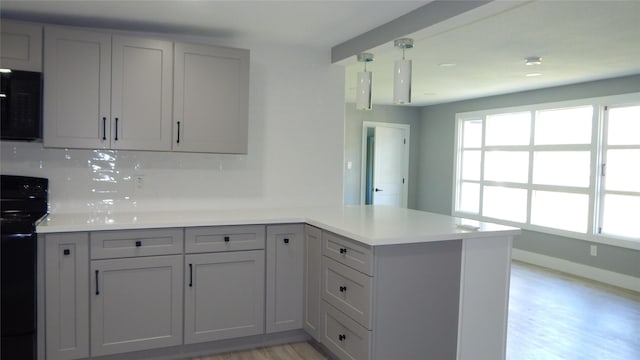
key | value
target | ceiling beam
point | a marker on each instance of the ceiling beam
(421, 18)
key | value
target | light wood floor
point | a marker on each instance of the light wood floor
(295, 351)
(558, 316)
(552, 316)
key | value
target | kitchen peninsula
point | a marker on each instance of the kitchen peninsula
(365, 282)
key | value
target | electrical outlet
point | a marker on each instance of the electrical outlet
(139, 182)
(593, 250)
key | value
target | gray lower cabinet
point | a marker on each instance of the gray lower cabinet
(312, 276)
(285, 255)
(136, 303)
(66, 289)
(224, 295)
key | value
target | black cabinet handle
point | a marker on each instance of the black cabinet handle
(66, 251)
(138, 243)
(104, 128)
(343, 250)
(190, 275)
(178, 141)
(376, 190)
(116, 137)
(227, 239)
(343, 288)
(342, 337)
(97, 283)
(286, 240)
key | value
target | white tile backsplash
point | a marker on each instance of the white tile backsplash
(296, 140)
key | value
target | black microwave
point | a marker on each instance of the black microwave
(21, 102)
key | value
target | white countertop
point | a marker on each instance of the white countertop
(371, 225)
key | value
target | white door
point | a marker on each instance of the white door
(386, 179)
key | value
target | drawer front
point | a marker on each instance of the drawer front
(343, 336)
(347, 252)
(130, 243)
(224, 238)
(348, 290)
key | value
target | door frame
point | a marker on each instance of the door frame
(363, 171)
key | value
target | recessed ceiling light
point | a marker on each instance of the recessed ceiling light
(446, 64)
(533, 74)
(532, 60)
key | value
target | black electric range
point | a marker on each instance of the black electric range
(23, 201)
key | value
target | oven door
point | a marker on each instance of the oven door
(18, 296)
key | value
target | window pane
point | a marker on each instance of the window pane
(564, 126)
(624, 126)
(507, 166)
(508, 129)
(560, 210)
(471, 165)
(469, 198)
(472, 134)
(623, 170)
(564, 168)
(621, 215)
(505, 203)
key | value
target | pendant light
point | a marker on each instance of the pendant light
(402, 74)
(363, 90)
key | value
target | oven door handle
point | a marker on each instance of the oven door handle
(16, 236)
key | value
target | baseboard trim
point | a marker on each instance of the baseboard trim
(585, 271)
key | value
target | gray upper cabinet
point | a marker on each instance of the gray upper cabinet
(211, 99)
(66, 294)
(77, 87)
(141, 91)
(104, 92)
(21, 46)
(285, 256)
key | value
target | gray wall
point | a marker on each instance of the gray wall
(353, 146)
(437, 160)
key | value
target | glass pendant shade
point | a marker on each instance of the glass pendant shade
(402, 82)
(363, 95)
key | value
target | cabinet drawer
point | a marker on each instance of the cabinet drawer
(347, 252)
(130, 243)
(348, 290)
(343, 336)
(224, 238)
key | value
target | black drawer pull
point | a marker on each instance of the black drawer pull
(66, 252)
(343, 288)
(343, 250)
(227, 239)
(138, 243)
(342, 337)
(190, 275)
(178, 140)
(97, 283)
(286, 240)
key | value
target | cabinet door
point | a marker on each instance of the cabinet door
(224, 295)
(312, 277)
(21, 46)
(67, 295)
(141, 93)
(136, 304)
(77, 84)
(285, 255)
(211, 99)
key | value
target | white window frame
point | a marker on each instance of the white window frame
(597, 149)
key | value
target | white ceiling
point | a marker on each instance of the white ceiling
(577, 40)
